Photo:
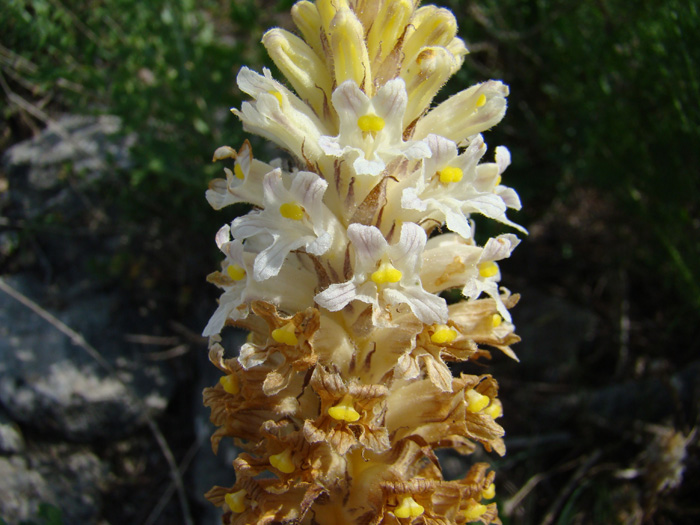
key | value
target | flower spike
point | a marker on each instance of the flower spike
(342, 390)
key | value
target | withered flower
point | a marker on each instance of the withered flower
(350, 415)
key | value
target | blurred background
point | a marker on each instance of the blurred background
(111, 112)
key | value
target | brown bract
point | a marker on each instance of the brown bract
(264, 505)
(474, 319)
(242, 414)
(422, 409)
(284, 360)
(444, 502)
(368, 400)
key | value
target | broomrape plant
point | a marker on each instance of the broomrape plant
(342, 392)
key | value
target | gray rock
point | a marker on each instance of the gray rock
(55, 193)
(22, 489)
(86, 143)
(53, 385)
(49, 173)
(76, 477)
(11, 439)
(67, 478)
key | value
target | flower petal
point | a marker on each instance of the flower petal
(336, 296)
(369, 245)
(270, 260)
(427, 307)
(407, 253)
(500, 247)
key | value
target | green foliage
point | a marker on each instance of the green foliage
(166, 67)
(604, 96)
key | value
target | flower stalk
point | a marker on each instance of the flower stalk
(343, 392)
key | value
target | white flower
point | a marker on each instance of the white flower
(467, 113)
(449, 261)
(292, 219)
(278, 115)
(451, 186)
(243, 184)
(386, 274)
(291, 290)
(488, 178)
(233, 279)
(304, 69)
(487, 275)
(371, 130)
(254, 84)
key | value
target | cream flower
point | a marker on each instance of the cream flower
(292, 218)
(488, 274)
(254, 84)
(278, 115)
(303, 68)
(371, 129)
(386, 274)
(465, 114)
(449, 261)
(233, 279)
(291, 289)
(488, 178)
(451, 186)
(243, 184)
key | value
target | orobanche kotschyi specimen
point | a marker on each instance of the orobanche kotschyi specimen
(342, 392)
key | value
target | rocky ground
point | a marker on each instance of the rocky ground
(100, 396)
(102, 365)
